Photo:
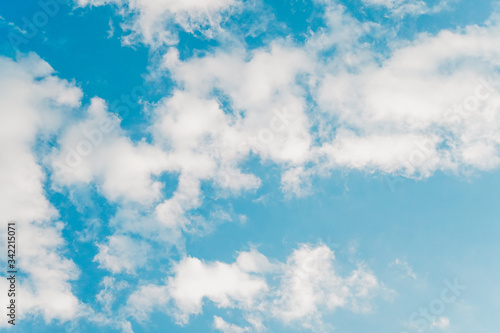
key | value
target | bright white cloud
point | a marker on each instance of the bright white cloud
(227, 285)
(152, 21)
(311, 285)
(308, 287)
(423, 107)
(415, 116)
(267, 105)
(418, 111)
(122, 254)
(96, 150)
(147, 299)
(266, 114)
(33, 103)
(225, 327)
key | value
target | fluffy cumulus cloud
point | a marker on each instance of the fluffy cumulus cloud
(225, 285)
(122, 253)
(310, 283)
(153, 22)
(225, 327)
(415, 111)
(308, 286)
(96, 150)
(36, 101)
(430, 110)
(426, 105)
(192, 281)
(291, 104)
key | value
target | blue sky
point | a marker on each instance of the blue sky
(252, 166)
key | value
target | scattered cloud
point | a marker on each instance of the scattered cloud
(308, 287)
(225, 327)
(37, 101)
(405, 268)
(153, 22)
(122, 254)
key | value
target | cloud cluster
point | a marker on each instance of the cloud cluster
(308, 286)
(154, 22)
(95, 149)
(433, 105)
(427, 105)
(33, 103)
(430, 105)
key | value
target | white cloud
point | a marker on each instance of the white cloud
(308, 287)
(405, 153)
(147, 299)
(192, 281)
(390, 113)
(225, 327)
(107, 296)
(296, 181)
(153, 21)
(227, 285)
(431, 106)
(144, 225)
(33, 103)
(265, 115)
(440, 323)
(266, 112)
(201, 145)
(394, 117)
(96, 149)
(47, 291)
(122, 254)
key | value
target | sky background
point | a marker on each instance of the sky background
(264, 166)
